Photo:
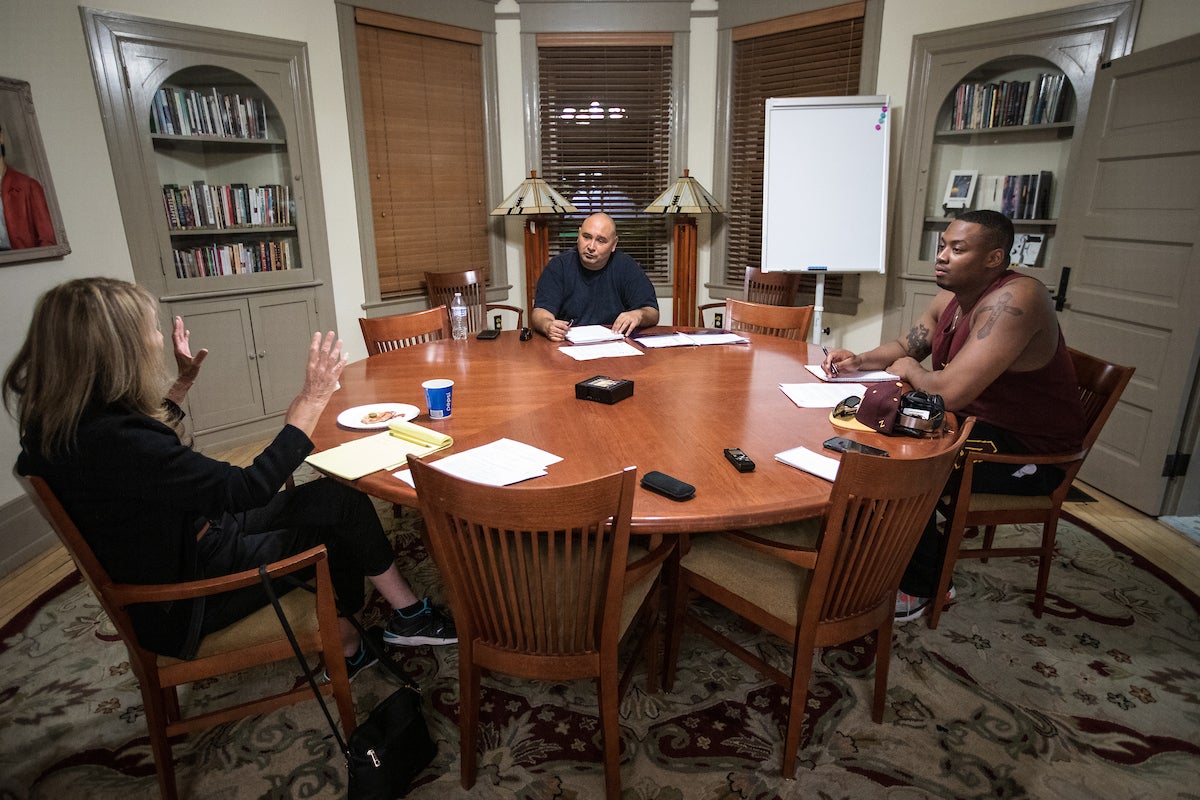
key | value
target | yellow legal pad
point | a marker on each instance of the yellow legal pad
(385, 450)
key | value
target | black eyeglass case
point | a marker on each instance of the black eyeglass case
(667, 486)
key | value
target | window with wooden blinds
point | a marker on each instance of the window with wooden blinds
(808, 55)
(604, 127)
(422, 98)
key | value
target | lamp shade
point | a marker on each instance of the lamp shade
(534, 196)
(686, 196)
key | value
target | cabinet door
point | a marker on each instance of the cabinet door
(283, 327)
(227, 391)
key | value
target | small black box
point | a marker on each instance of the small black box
(603, 389)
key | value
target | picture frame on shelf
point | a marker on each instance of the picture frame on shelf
(38, 232)
(960, 188)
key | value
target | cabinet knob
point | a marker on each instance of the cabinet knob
(251, 356)
(262, 353)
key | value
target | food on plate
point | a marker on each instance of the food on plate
(377, 416)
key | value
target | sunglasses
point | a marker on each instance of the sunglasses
(847, 408)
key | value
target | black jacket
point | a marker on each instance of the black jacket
(139, 497)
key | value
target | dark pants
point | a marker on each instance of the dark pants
(921, 576)
(320, 512)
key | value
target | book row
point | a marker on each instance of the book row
(995, 105)
(1017, 196)
(187, 112)
(201, 205)
(240, 258)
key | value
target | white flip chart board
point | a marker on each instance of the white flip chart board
(825, 177)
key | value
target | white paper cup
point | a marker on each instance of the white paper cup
(438, 394)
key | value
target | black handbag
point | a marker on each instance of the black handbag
(387, 751)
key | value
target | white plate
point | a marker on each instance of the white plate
(353, 417)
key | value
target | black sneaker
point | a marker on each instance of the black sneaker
(364, 659)
(430, 625)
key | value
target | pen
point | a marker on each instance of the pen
(832, 367)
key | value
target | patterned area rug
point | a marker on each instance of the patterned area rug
(1099, 698)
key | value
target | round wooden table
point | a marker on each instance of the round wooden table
(688, 404)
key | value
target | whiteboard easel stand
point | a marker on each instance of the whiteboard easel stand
(818, 308)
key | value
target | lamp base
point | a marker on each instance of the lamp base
(537, 253)
(683, 305)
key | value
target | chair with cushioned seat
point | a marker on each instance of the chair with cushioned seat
(382, 334)
(768, 288)
(818, 583)
(545, 585)
(441, 286)
(254, 640)
(787, 322)
(1100, 386)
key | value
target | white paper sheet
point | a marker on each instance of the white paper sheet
(499, 463)
(605, 350)
(813, 463)
(821, 395)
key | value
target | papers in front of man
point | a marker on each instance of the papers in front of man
(386, 450)
(812, 463)
(690, 339)
(870, 376)
(590, 334)
(499, 463)
(821, 395)
(602, 350)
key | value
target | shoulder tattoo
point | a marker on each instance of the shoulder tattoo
(993, 311)
(917, 342)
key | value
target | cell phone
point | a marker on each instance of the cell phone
(840, 444)
(741, 462)
(487, 333)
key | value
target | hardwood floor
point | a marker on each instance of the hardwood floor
(1170, 550)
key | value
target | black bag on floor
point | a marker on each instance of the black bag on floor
(388, 750)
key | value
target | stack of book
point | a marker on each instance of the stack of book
(1005, 103)
(1026, 196)
(200, 205)
(187, 112)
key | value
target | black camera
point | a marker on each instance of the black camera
(921, 414)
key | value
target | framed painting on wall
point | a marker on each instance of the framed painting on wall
(32, 227)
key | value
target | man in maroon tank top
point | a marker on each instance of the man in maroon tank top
(996, 352)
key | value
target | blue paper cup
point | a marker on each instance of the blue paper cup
(437, 397)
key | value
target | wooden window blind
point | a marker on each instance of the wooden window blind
(422, 96)
(807, 55)
(604, 128)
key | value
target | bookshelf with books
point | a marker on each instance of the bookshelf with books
(1006, 103)
(213, 145)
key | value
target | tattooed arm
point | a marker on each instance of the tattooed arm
(915, 345)
(1012, 328)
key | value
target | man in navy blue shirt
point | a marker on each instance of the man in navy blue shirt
(594, 284)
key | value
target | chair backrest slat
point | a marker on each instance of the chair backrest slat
(470, 283)
(382, 334)
(786, 322)
(878, 509)
(531, 570)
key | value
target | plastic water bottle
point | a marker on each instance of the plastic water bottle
(458, 317)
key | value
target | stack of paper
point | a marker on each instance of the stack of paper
(499, 463)
(689, 339)
(814, 463)
(387, 450)
(590, 334)
(871, 376)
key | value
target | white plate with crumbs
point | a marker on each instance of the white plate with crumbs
(376, 415)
